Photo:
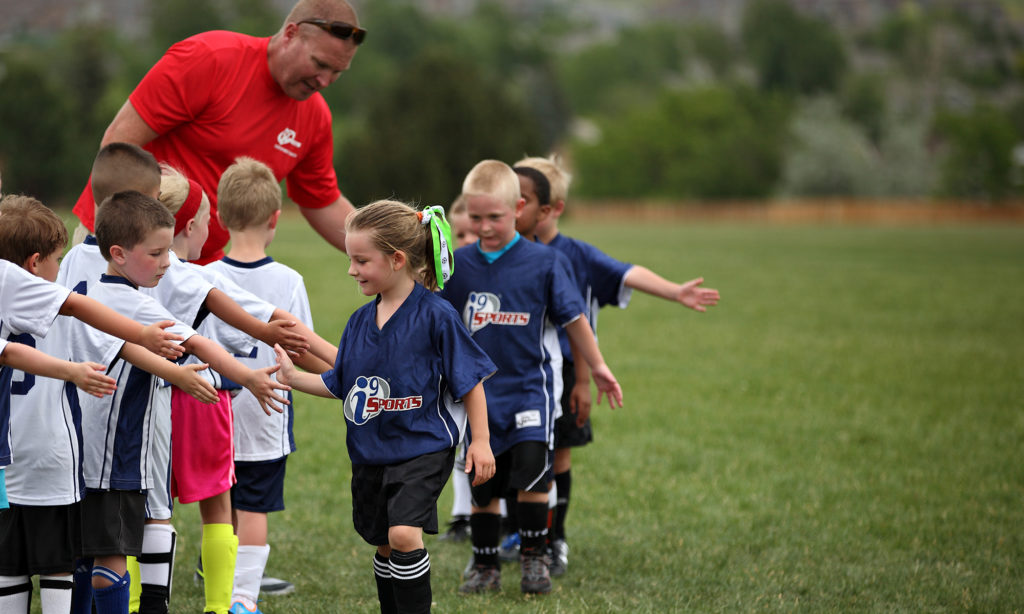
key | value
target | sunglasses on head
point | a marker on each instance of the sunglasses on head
(339, 29)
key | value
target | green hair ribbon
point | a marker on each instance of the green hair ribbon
(441, 233)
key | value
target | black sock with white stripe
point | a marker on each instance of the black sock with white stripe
(410, 580)
(385, 592)
(533, 527)
(484, 529)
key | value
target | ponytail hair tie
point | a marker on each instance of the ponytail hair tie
(189, 208)
(441, 233)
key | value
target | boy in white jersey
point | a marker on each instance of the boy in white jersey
(249, 205)
(40, 533)
(134, 233)
(189, 296)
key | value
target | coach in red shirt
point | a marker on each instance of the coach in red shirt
(220, 95)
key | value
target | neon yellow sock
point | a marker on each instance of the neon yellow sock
(135, 588)
(219, 548)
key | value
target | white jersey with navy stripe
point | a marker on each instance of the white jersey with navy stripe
(402, 385)
(511, 306)
(119, 430)
(259, 437)
(28, 304)
(233, 340)
(46, 429)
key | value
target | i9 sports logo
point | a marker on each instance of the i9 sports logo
(483, 308)
(370, 396)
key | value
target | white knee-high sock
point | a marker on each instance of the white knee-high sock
(15, 591)
(55, 594)
(249, 566)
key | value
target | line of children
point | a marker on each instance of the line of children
(602, 281)
(403, 363)
(510, 292)
(41, 532)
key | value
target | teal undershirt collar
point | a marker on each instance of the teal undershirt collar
(492, 256)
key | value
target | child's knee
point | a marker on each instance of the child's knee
(405, 538)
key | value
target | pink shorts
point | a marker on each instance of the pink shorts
(202, 447)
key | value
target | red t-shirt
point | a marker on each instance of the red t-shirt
(210, 99)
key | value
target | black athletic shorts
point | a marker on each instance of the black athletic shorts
(567, 434)
(260, 486)
(524, 466)
(402, 494)
(112, 522)
(39, 539)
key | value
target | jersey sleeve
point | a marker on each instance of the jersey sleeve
(313, 184)
(564, 298)
(182, 292)
(233, 339)
(28, 304)
(464, 363)
(607, 277)
(177, 87)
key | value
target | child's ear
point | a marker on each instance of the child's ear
(558, 208)
(398, 260)
(544, 213)
(117, 254)
(519, 206)
(31, 263)
(274, 217)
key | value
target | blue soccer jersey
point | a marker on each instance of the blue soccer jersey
(509, 306)
(402, 384)
(599, 277)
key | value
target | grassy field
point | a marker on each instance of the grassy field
(843, 433)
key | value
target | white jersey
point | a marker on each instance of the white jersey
(28, 305)
(119, 431)
(259, 437)
(230, 338)
(46, 430)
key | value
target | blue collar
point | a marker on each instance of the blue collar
(247, 265)
(90, 240)
(492, 256)
(116, 279)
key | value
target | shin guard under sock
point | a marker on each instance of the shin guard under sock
(484, 531)
(563, 482)
(533, 527)
(114, 598)
(156, 568)
(219, 549)
(55, 594)
(385, 592)
(410, 579)
(15, 593)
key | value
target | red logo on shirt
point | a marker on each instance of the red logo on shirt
(483, 308)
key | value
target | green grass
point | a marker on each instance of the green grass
(843, 433)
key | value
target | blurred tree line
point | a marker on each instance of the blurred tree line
(926, 102)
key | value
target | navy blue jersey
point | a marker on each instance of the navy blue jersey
(599, 277)
(402, 385)
(509, 307)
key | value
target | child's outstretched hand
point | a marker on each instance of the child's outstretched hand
(262, 386)
(479, 456)
(281, 334)
(285, 364)
(89, 377)
(195, 385)
(695, 297)
(607, 385)
(155, 339)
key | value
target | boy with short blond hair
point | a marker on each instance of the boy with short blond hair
(249, 205)
(39, 534)
(511, 293)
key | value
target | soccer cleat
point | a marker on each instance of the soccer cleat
(469, 566)
(536, 575)
(509, 550)
(198, 575)
(240, 607)
(559, 557)
(275, 586)
(482, 578)
(458, 530)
